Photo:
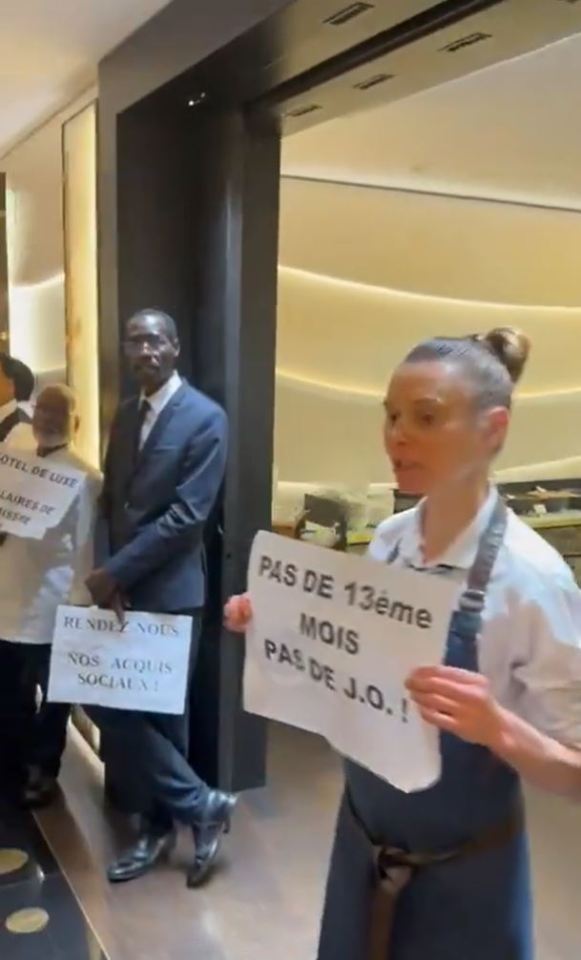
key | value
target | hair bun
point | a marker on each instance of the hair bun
(511, 347)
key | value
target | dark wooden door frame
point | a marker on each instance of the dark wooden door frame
(188, 204)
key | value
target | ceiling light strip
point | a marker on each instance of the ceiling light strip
(324, 279)
(432, 192)
(365, 393)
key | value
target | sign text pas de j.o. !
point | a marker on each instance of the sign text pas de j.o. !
(332, 642)
(35, 493)
(140, 666)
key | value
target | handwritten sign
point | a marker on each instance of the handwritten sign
(142, 666)
(332, 641)
(35, 493)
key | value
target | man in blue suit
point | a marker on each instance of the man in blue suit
(163, 472)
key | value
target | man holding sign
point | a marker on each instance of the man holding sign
(163, 473)
(37, 574)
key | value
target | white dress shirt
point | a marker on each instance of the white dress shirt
(157, 401)
(21, 436)
(530, 647)
(38, 575)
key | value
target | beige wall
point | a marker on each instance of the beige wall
(36, 246)
(367, 273)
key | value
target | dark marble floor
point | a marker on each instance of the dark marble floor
(39, 913)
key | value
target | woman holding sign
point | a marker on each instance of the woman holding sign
(444, 873)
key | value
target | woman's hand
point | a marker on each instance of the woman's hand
(238, 613)
(459, 702)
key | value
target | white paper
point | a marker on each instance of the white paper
(143, 666)
(35, 493)
(333, 639)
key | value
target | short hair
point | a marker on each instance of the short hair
(168, 321)
(66, 393)
(21, 376)
(492, 363)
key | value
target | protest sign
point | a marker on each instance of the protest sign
(143, 665)
(332, 641)
(35, 493)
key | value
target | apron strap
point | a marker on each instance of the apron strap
(384, 900)
(395, 868)
(393, 556)
(472, 600)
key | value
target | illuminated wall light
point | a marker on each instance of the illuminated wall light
(325, 386)
(324, 279)
(360, 391)
(53, 281)
(536, 449)
(36, 316)
(81, 256)
(567, 466)
(364, 393)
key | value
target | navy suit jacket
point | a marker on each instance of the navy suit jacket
(154, 510)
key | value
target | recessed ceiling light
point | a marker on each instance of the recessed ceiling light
(467, 41)
(374, 81)
(341, 17)
(302, 111)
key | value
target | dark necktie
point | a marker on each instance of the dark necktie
(144, 408)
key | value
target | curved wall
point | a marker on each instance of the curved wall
(367, 273)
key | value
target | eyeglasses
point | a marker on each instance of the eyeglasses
(153, 341)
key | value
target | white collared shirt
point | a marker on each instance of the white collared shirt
(157, 401)
(38, 575)
(530, 647)
(21, 436)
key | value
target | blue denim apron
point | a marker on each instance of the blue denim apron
(441, 874)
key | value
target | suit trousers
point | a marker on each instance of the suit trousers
(33, 734)
(149, 752)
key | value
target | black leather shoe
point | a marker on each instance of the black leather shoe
(149, 850)
(40, 791)
(213, 823)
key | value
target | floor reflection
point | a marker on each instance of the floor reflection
(39, 915)
(265, 900)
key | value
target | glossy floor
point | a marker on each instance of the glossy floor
(262, 903)
(265, 901)
(39, 913)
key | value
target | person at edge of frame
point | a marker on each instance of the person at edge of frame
(38, 576)
(444, 872)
